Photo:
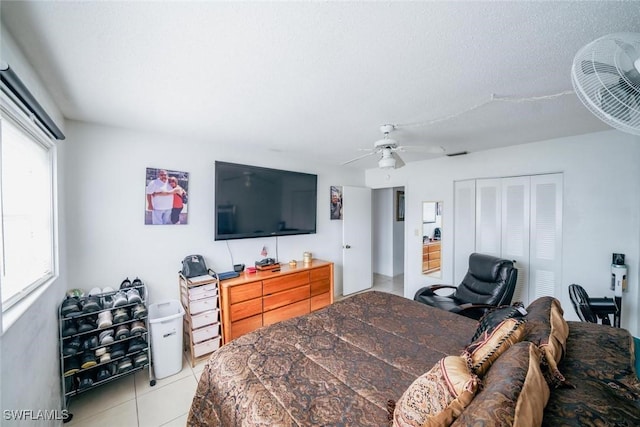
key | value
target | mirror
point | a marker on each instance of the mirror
(431, 238)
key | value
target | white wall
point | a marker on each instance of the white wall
(109, 241)
(601, 207)
(30, 367)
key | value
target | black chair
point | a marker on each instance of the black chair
(591, 309)
(490, 282)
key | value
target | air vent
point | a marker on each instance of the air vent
(459, 153)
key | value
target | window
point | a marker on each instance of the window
(27, 206)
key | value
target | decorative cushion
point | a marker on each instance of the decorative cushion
(492, 343)
(437, 397)
(547, 328)
(494, 317)
(514, 391)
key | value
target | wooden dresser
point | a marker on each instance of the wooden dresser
(430, 257)
(265, 297)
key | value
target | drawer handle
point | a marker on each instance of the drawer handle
(169, 334)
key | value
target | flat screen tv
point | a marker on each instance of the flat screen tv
(253, 201)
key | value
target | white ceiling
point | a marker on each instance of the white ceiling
(319, 78)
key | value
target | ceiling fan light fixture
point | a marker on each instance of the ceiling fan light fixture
(387, 162)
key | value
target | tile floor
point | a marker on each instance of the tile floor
(132, 402)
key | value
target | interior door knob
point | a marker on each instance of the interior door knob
(347, 246)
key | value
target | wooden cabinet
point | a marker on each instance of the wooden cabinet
(265, 297)
(431, 257)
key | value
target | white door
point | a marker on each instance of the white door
(464, 227)
(357, 272)
(489, 216)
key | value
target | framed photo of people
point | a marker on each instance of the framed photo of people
(166, 197)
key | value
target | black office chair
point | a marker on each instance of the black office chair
(489, 282)
(591, 309)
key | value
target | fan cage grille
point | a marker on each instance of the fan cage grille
(607, 90)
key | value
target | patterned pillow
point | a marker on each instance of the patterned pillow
(547, 328)
(481, 353)
(437, 397)
(514, 391)
(493, 318)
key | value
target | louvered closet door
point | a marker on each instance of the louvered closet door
(489, 216)
(464, 229)
(545, 259)
(515, 231)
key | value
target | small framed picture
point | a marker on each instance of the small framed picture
(399, 205)
(166, 197)
(335, 203)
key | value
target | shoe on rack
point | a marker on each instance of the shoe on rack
(69, 328)
(95, 291)
(105, 319)
(126, 283)
(71, 366)
(139, 311)
(136, 344)
(105, 358)
(122, 332)
(133, 296)
(140, 359)
(120, 299)
(118, 350)
(70, 306)
(106, 337)
(121, 315)
(90, 304)
(101, 350)
(107, 297)
(86, 380)
(124, 365)
(103, 373)
(138, 328)
(71, 347)
(90, 343)
(69, 384)
(88, 360)
(86, 324)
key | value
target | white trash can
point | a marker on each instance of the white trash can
(166, 337)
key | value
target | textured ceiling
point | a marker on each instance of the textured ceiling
(319, 78)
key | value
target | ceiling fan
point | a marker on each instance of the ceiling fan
(606, 77)
(387, 148)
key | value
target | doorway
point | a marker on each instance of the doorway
(388, 239)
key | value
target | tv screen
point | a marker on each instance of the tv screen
(252, 201)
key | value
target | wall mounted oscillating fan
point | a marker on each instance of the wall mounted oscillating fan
(606, 77)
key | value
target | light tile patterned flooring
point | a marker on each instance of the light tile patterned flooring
(132, 402)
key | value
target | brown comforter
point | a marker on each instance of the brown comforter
(337, 366)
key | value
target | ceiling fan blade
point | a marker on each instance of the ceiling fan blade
(431, 149)
(358, 158)
(399, 162)
(590, 67)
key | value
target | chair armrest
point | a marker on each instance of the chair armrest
(430, 290)
(434, 288)
(475, 311)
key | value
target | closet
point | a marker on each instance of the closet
(518, 218)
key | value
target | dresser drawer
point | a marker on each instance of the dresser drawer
(288, 281)
(320, 287)
(322, 273)
(286, 312)
(320, 301)
(433, 247)
(201, 305)
(434, 255)
(249, 291)
(289, 296)
(206, 347)
(244, 326)
(203, 319)
(434, 264)
(245, 309)
(206, 333)
(204, 291)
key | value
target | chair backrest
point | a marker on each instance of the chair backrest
(489, 280)
(580, 300)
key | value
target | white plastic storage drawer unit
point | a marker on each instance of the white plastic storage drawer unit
(202, 318)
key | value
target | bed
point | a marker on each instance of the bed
(345, 365)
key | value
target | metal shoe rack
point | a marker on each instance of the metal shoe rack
(75, 378)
